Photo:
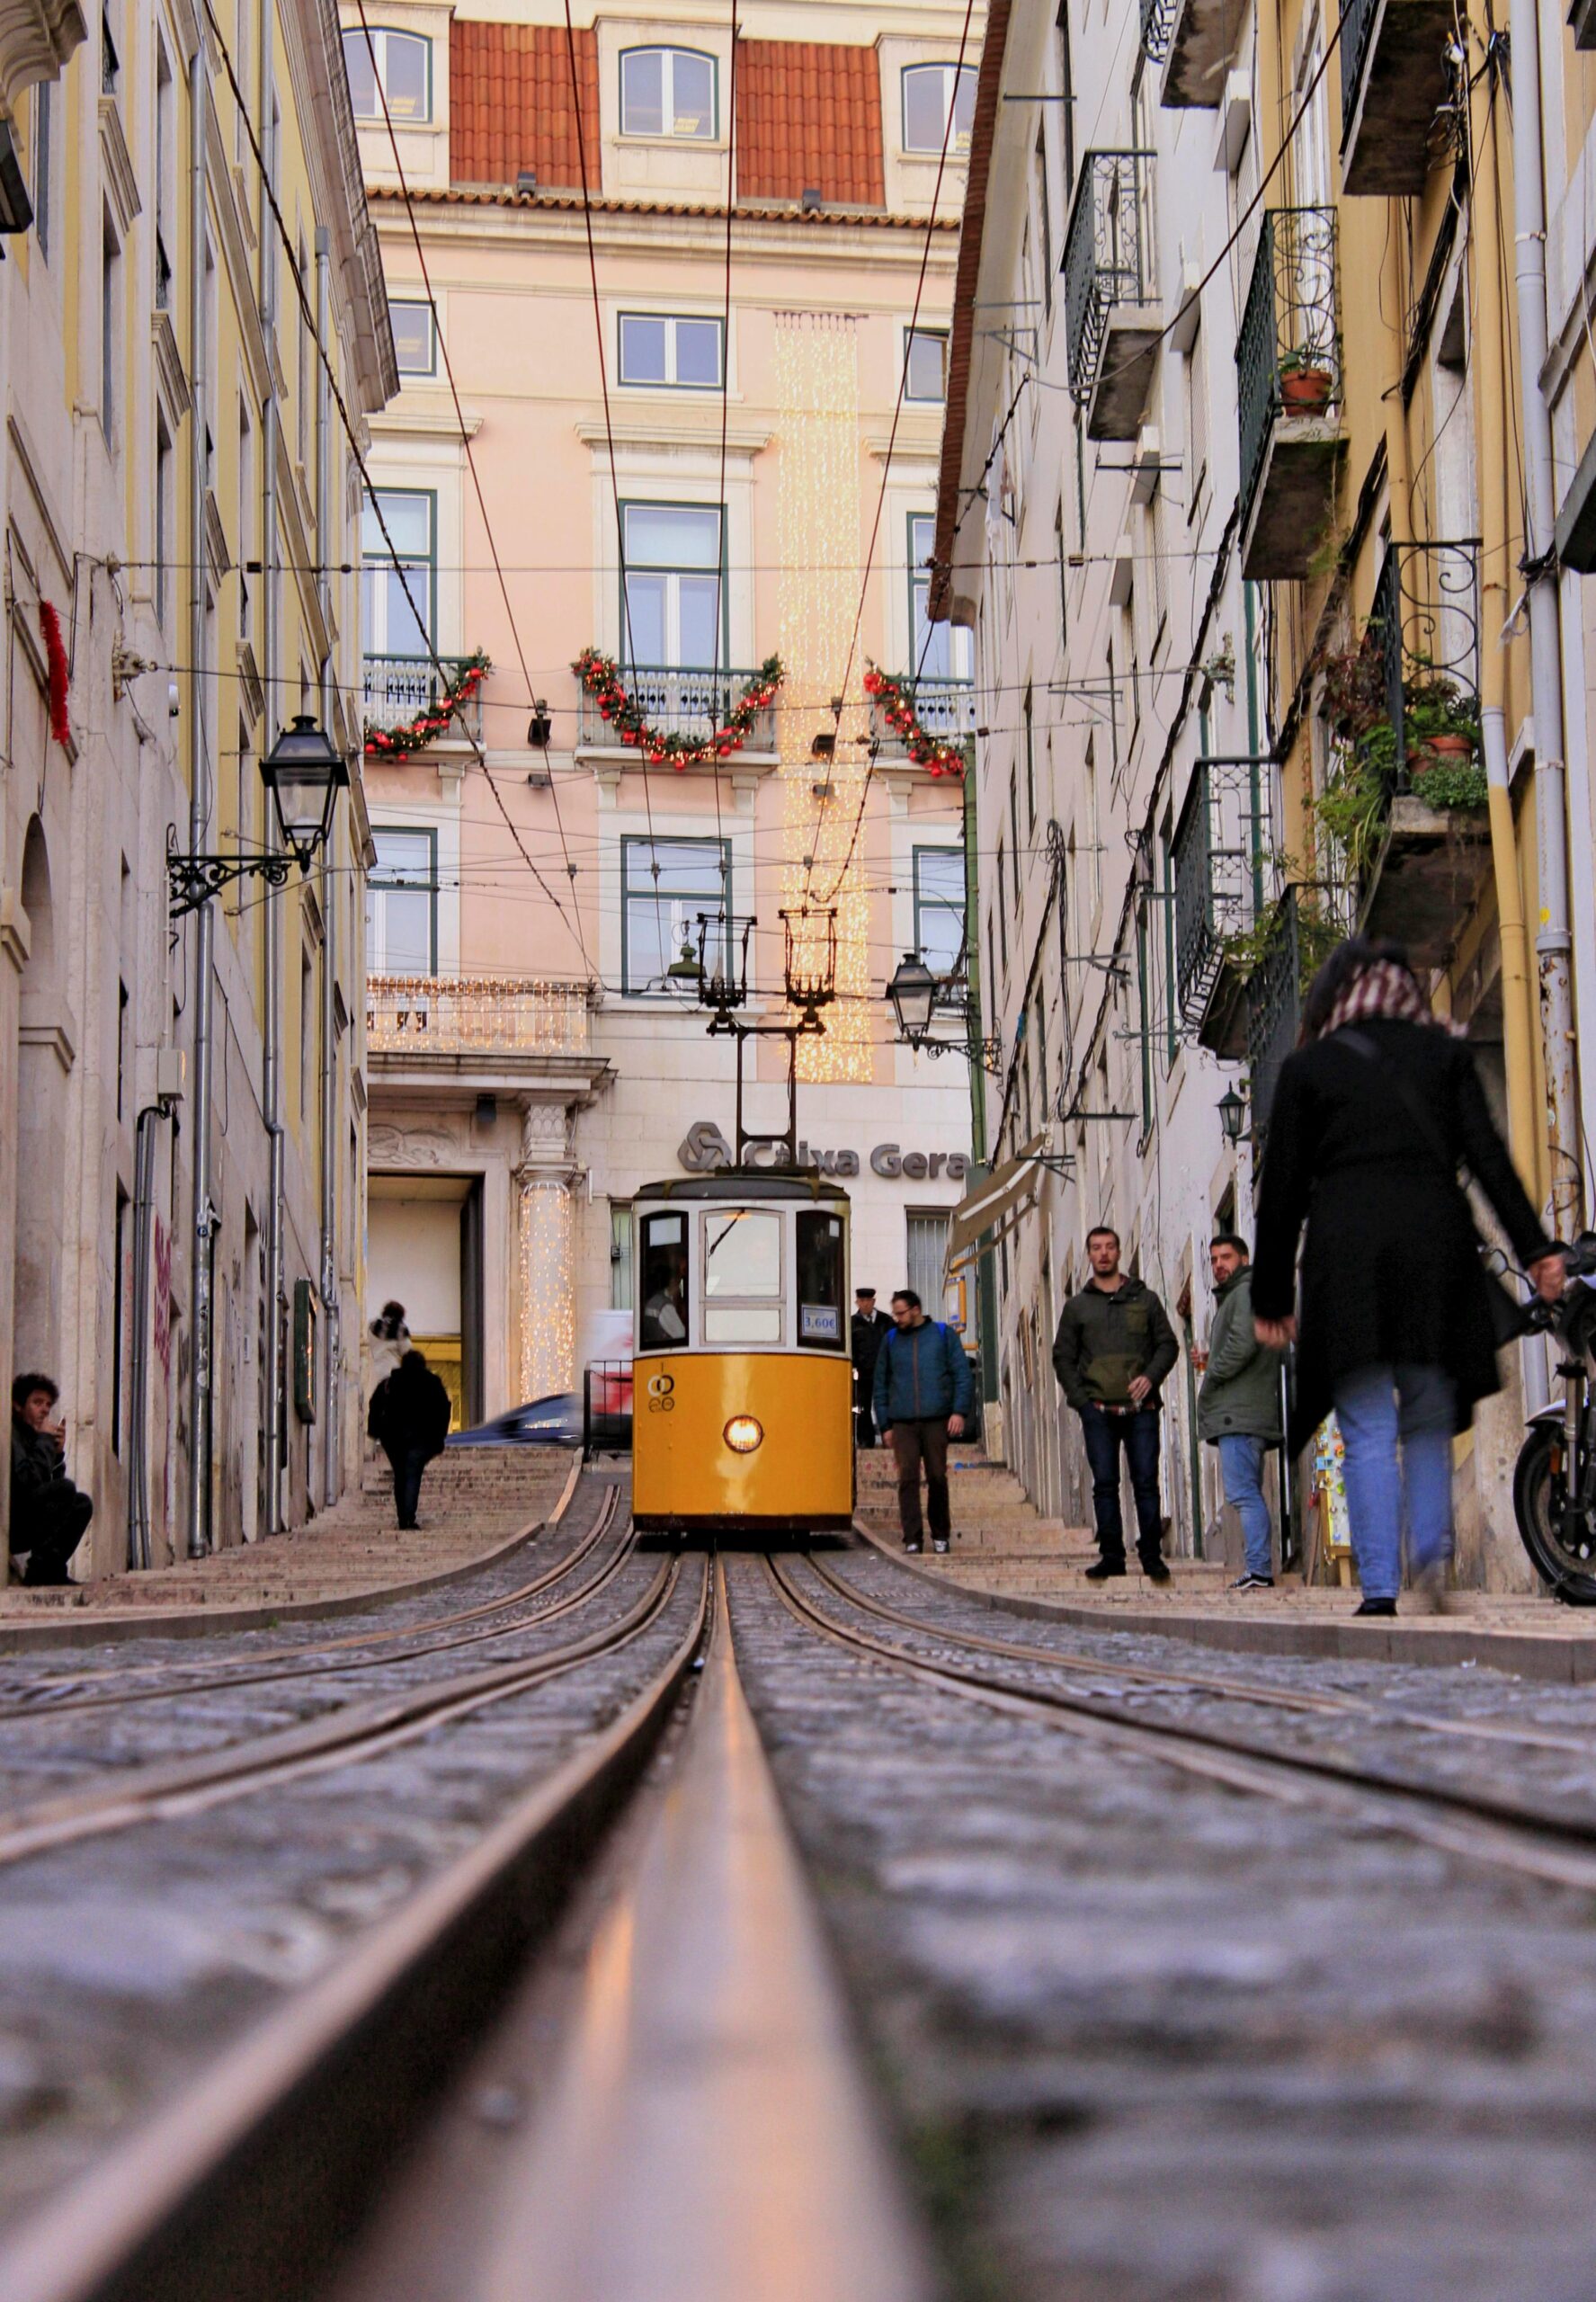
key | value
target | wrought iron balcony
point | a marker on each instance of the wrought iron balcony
(1304, 927)
(1194, 41)
(1395, 77)
(1223, 882)
(676, 701)
(1110, 292)
(415, 1016)
(396, 689)
(1288, 392)
(945, 708)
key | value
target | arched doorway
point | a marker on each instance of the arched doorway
(44, 1058)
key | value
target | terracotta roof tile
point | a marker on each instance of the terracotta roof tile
(810, 115)
(510, 104)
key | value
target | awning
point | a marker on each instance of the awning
(995, 1205)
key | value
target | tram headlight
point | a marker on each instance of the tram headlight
(742, 1434)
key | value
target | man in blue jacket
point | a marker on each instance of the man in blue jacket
(924, 1393)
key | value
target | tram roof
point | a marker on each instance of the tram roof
(747, 1183)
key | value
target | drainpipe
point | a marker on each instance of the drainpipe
(272, 1021)
(1553, 942)
(1517, 1009)
(144, 1176)
(199, 1289)
(332, 1430)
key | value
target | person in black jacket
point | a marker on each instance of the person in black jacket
(1371, 1119)
(1113, 1348)
(869, 1328)
(49, 1514)
(409, 1420)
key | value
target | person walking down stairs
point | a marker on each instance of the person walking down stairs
(924, 1394)
(409, 1418)
(1113, 1348)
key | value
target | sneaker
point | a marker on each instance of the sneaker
(1251, 1582)
(912, 1543)
(1104, 1568)
(940, 1542)
(1376, 1607)
(1155, 1570)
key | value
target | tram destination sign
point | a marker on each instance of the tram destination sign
(704, 1147)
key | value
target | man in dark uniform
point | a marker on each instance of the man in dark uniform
(869, 1328)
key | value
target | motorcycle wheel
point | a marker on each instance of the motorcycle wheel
(1539, 1492)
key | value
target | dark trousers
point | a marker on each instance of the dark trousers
(49, 1529)
(864, 1419)
(408, 1463)
(1137, 1432)
(914, 1443)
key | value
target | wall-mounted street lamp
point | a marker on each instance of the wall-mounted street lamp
(304, 774)
(1233, 1114)
(916, 994)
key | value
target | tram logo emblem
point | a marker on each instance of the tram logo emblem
(660, 1394)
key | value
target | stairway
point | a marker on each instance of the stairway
(1002, 1543)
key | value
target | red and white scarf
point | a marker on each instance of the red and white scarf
(1385, 991)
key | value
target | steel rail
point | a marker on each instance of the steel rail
(361, 1731)
(251, 2180)
(1504, 1833)
(1206, 1682)
(302, 1662)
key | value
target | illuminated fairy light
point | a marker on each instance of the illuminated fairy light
(819, 515)
(547, 1288)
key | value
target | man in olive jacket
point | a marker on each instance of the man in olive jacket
(1238, 1407)
(1114, 1347)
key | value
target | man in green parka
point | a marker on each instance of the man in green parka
(1238, 1407)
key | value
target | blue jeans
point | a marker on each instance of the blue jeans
(1379, 1408)
(1241, 1466)
(1137, 1433)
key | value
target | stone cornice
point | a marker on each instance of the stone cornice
(37, 37)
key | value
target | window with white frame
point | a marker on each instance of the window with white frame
(682, 354)
(925, 368)
(665, 884)
(415, 347)
(668, 92)
(938, 907)
(671, 596)
(397, 587)
(930, 92)
(402, 903)
(402, 74)
(927, 1245)
(937, 651)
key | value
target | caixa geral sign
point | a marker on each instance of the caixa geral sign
(704, 1147)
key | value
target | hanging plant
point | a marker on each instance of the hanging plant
(434, 719)
(601, 676)
(895, 700)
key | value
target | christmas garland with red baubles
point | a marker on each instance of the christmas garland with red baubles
(601, 676)
(428, 724)
(895, 700)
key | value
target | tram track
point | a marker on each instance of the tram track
(1505, 1832)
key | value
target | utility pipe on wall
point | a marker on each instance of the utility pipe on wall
(332, 1403)
(1553, 942)
(272, 1019)
(200, 1305)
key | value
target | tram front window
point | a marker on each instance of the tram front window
(663, 1322)
(821, 1324)
(741, 1276)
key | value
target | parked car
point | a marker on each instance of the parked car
(552, 1421)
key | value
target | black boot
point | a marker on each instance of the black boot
(1104, 1568)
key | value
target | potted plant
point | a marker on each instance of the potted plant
(1305, 381)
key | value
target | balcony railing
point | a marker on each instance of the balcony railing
(427, 1014)
(677, 703)
(395, 689)
(944, 708)
(1158, 18)
(1357, 25)
(1305, 927)
(1426, 624)
(1108, 257)
(1289, 365)
(1221, 872)
(1400, 74)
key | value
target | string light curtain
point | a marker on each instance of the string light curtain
(819, 518)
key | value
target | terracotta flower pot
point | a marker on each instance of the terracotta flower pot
(1305, 391)
(1453, 744)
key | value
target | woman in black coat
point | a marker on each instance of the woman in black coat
(409, 1417)
(1372, 1117)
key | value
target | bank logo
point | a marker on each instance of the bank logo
(703, 1149)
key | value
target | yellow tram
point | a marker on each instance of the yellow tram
(741, 1379)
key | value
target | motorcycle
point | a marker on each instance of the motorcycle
(1555, 1477)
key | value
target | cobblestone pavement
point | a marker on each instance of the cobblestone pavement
(1158, 2041)
(131, 1961)
(474, 1499)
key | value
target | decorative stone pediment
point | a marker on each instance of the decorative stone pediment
(37, 37)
